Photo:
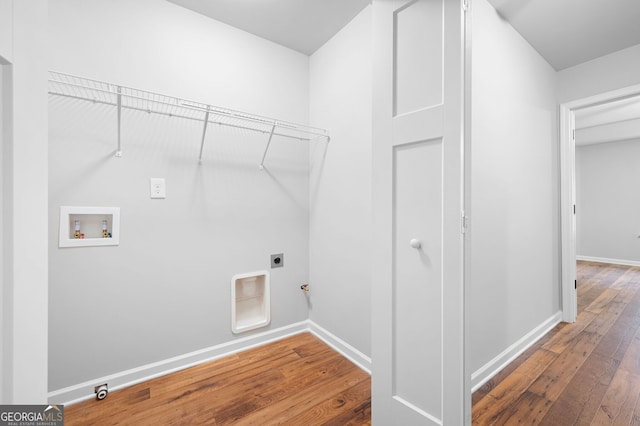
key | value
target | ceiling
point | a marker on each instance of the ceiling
(570, 32)
(564, 32)
(302, 25)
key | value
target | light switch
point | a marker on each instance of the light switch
(157, 188)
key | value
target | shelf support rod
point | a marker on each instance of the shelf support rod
(119, 101)
(204, 133)
(273, 129)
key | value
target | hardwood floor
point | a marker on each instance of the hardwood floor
(586, 373)
(296, 381)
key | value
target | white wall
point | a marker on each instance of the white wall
(6, 29)
(165, 290)
(615, 71)
(24, 200)
(514, 273)
(608, 219)
(341, 212)
(160, 47)
(3, 232)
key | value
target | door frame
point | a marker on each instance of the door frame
(568, 190)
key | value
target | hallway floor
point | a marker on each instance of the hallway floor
(586, 373)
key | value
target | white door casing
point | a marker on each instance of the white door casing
(418, 290)
(568, 190)
(567, 213)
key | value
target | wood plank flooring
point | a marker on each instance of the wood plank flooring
(295, 381)
(586, 373)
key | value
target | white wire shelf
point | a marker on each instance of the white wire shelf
(126, 98)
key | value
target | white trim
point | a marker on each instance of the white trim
(567, 185)
(257, 292)
(345, 349)
(84, 391)
(94, 214)
(493, 367)
(606, 260)
(567, 215)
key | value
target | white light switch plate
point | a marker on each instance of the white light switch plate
(157, 188)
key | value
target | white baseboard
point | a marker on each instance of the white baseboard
(83, 391)
(493, 367)
(345, 349)
(606, 260)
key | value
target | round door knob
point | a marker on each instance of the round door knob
(415, 243)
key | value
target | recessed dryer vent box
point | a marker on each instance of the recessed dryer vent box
(250, 301)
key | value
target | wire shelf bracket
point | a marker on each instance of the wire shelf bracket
(126, 98)
(119, 105)
(266, 148)
(204, 134)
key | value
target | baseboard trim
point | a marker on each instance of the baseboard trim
(345, 349)
(606, 260)
(83, 391)
(493, 367)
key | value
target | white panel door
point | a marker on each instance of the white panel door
(418, 298)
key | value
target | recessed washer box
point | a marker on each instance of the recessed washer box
(250, 301)
(90, 224)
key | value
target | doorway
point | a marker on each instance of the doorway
(568, 188)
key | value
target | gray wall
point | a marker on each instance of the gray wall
(165, 290)
(340, 193)
(514, 274)
(610, 72)
(608, 204)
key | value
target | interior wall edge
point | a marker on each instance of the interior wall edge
(345, 349)
(25, 382)
(340, 174)
(493, 367)
(5, 228)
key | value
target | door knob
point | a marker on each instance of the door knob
(415, 243)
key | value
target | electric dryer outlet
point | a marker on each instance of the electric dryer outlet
(277, 260)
